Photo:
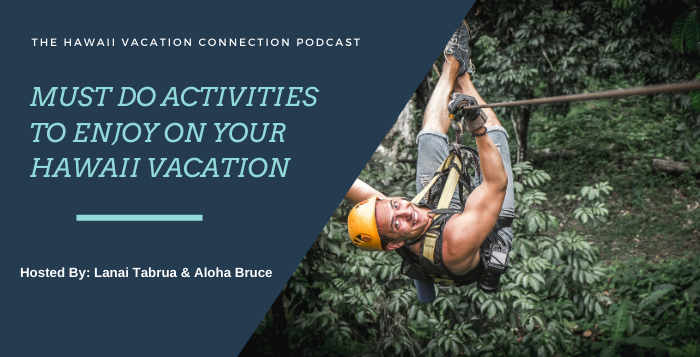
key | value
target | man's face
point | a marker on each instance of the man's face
(399, 220)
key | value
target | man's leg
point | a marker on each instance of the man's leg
(437, 117)
(432, 140)
(425, 291)
(432, 148)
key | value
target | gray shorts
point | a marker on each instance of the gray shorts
(433, 150)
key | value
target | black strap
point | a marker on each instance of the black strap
(445, 214)
(445, 211)
(504, 221)
(409, 242)
(424, 203)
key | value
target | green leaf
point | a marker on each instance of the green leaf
(530, 324)
(534, 283)
(487, 348)
(598, 309)
(592, 194)
(491, 311)
(630, 324)
(584, 191)
(518, 187)
(660, 310)
(695, 99)
(538, 277)
(384, 272)
(539, 320)
(618, 322)
(691, 31)
(653, 297)
(486, 305)
(677, 33)
(361, 317)
(524, 251)
(531, 224)
(645, 342)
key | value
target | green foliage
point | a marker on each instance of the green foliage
(653, 307)
(616, 141)
(686, 32)
(695, 96)
(544, 48)
(344, 301)
(549, 48)
(556, 298)
(355, 302)
(592, 210)
(685, 37)
(690, 350)
(531, 49)
(621, 4)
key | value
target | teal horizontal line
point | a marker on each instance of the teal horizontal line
(139, 217)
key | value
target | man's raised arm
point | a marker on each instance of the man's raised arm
(484, 204)
(361, 191)
(481, 210)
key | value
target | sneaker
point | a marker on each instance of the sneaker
(458, 48)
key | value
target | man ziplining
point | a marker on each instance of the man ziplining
(446, 241)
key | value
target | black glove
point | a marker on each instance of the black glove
(475, 118)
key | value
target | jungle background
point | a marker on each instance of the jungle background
(605, 260)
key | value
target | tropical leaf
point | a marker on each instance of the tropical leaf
(653, 297)
(678, 32)
(646, 342)
(618, 321)
(691, 30)
(695, 95)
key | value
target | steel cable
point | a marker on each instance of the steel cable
(654, 89)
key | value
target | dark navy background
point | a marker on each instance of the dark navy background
(265, 223)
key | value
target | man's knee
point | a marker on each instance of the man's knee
(432, 151)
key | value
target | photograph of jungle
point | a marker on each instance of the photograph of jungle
(604, 258)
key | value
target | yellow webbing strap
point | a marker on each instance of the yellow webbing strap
(424, 191)
(445, 164)
(429, 242)
(449, 189)
(430, 239)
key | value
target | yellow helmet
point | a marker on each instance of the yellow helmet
(362, 225)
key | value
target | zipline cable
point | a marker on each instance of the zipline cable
(654, 89)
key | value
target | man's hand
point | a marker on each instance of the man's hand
(475, 118)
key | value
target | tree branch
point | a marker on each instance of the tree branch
(476, 30)
(545, 56)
